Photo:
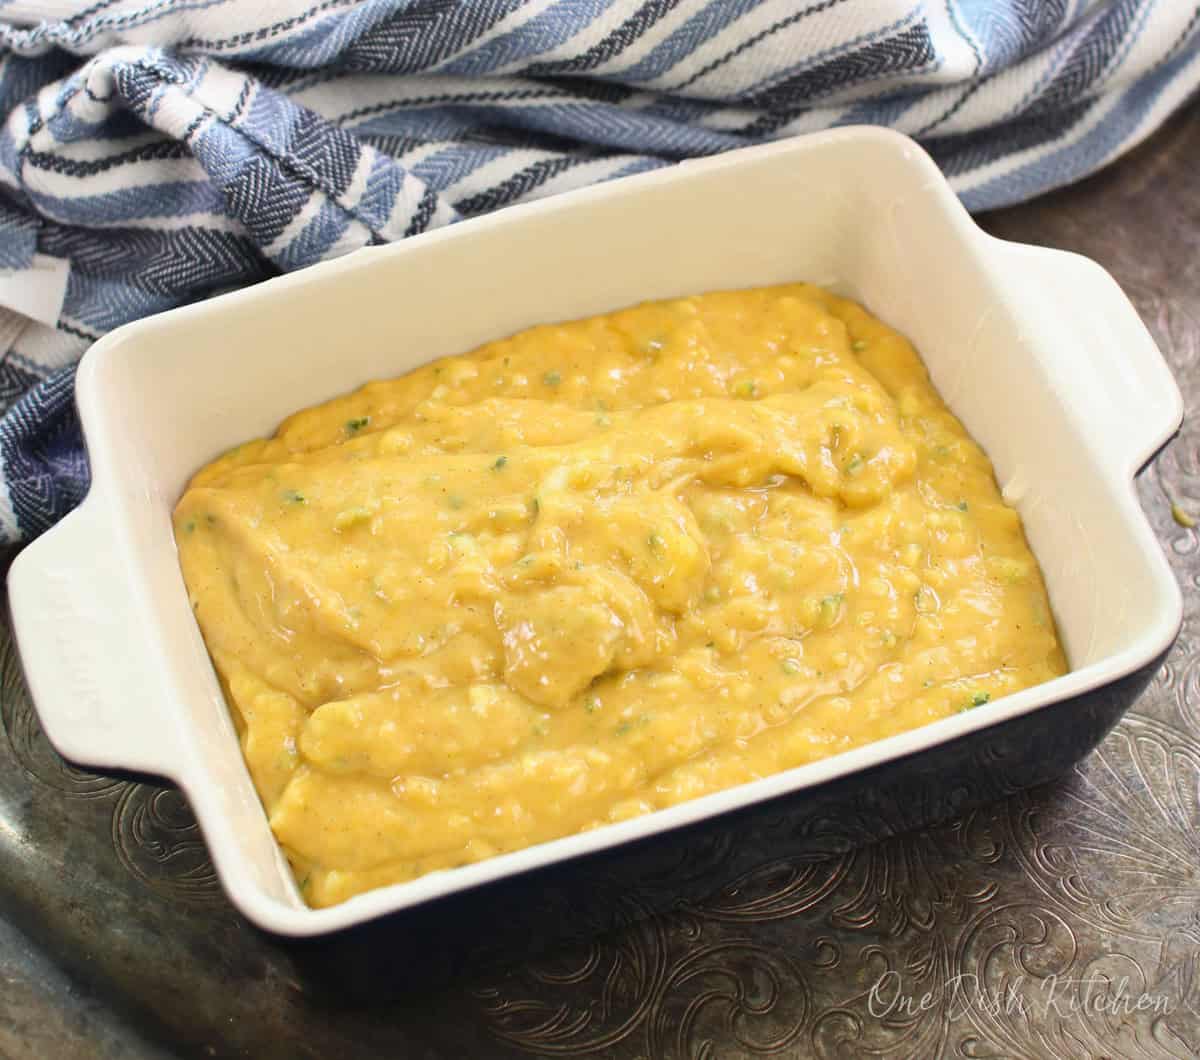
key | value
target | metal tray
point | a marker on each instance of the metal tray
(1060, 921)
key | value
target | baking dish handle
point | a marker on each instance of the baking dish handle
(1126, 391)
(76, 623)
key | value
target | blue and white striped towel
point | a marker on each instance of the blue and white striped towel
(154, 151)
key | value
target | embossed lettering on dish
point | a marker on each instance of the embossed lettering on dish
(80, 659)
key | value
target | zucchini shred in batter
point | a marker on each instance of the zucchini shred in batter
(596, 569)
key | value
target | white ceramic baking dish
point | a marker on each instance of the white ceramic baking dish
(1038, 352)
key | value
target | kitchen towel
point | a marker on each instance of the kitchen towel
(154, 152)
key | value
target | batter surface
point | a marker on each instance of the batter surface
(596, 569)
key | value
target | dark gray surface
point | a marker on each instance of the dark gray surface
(1068, 916)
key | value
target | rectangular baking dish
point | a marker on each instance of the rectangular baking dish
(1037, 351)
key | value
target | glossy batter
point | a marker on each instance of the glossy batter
(599, 568)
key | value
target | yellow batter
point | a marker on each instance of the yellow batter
(599, 568)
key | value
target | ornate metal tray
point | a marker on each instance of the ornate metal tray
(1063, 921)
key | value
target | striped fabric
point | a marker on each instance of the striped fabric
(155, 152)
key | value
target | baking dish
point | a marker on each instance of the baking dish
(1037, 351)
